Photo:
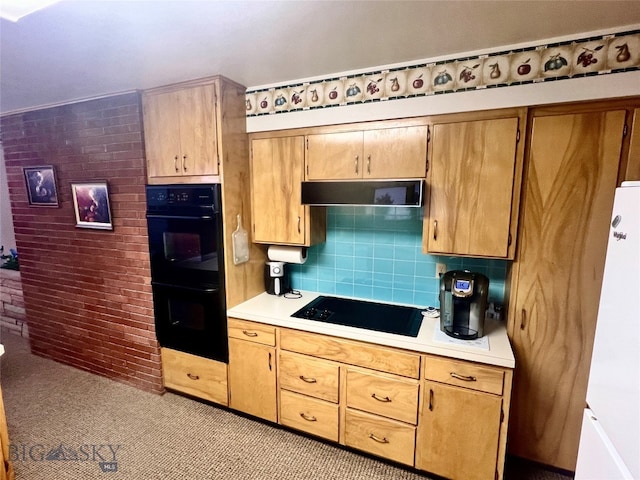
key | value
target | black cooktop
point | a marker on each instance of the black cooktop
(380, 317)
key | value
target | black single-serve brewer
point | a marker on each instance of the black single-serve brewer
(463, 303)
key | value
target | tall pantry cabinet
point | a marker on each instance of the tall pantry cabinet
(571, 172)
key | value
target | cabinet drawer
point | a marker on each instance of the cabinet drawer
(391, 397)
(251, 331)
(380, 436)
(308, 375)
(464, 374)
(197, 376)
(351, 352)
(310, 415)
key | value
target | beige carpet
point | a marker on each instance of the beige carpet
(68, 424)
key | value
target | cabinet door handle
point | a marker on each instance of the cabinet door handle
(175, 163)
(184, 163)
(523, 319)
(380, 399)
(435, 229)
(466, 378)
(356, 163)
(269, 361)
(308, 418)
(430, 399)
(193, 377)
(308, 379)
(299, 219)
(378, 439)
(249, 334)
(369, 164)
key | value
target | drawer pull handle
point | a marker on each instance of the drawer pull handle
(380, 399)
(466, 378)
(308, 418)
(193, 377)
(308, 379)
(249, 334)
(378, 439)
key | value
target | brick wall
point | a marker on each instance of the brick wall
(87, 292)
(12, 314)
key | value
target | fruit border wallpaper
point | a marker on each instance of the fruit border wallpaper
(604, 54)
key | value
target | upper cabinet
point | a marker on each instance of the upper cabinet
(276, 174)
(474, 177)
(399, 152)
(180, 131)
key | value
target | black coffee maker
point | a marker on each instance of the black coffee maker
(463, 304)
(276, 279)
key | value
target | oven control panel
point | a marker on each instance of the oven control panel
(167, 197)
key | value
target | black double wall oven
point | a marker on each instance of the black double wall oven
(187, 268)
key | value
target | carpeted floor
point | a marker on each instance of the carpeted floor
(68, 424)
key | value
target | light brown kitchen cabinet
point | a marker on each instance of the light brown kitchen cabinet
(252, 369)
(308, 389)
(381, 153)
(198, 376)
(276, 174)
(463, 417)
(380, 436)
(180, 131)
(475, 168)
(459, 433)
(570, 180)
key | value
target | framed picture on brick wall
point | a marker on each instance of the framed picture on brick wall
(91, 204)
(42, 189)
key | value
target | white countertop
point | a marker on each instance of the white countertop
(277, 311)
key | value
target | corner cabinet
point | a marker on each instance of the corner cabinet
(474, 177)
(277, 170)
(379, 153)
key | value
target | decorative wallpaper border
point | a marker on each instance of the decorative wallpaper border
(601, 55)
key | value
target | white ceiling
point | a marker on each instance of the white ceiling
(79, 49)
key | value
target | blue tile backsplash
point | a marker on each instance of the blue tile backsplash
(375, 253)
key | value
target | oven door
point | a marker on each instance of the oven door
(191, 320)
(186, 250)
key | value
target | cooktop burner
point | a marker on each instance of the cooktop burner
(380, 317)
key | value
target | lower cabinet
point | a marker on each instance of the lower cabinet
(445, 416)
(252, 369)
(463, 420)
(317, 417)
(380, 436)
(194, 375)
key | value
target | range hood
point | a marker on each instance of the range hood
(377, 193)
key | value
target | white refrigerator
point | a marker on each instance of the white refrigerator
(610, 438)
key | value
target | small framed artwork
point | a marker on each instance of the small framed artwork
(91, 204)
(42, 190)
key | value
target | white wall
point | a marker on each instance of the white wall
(7, 235)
